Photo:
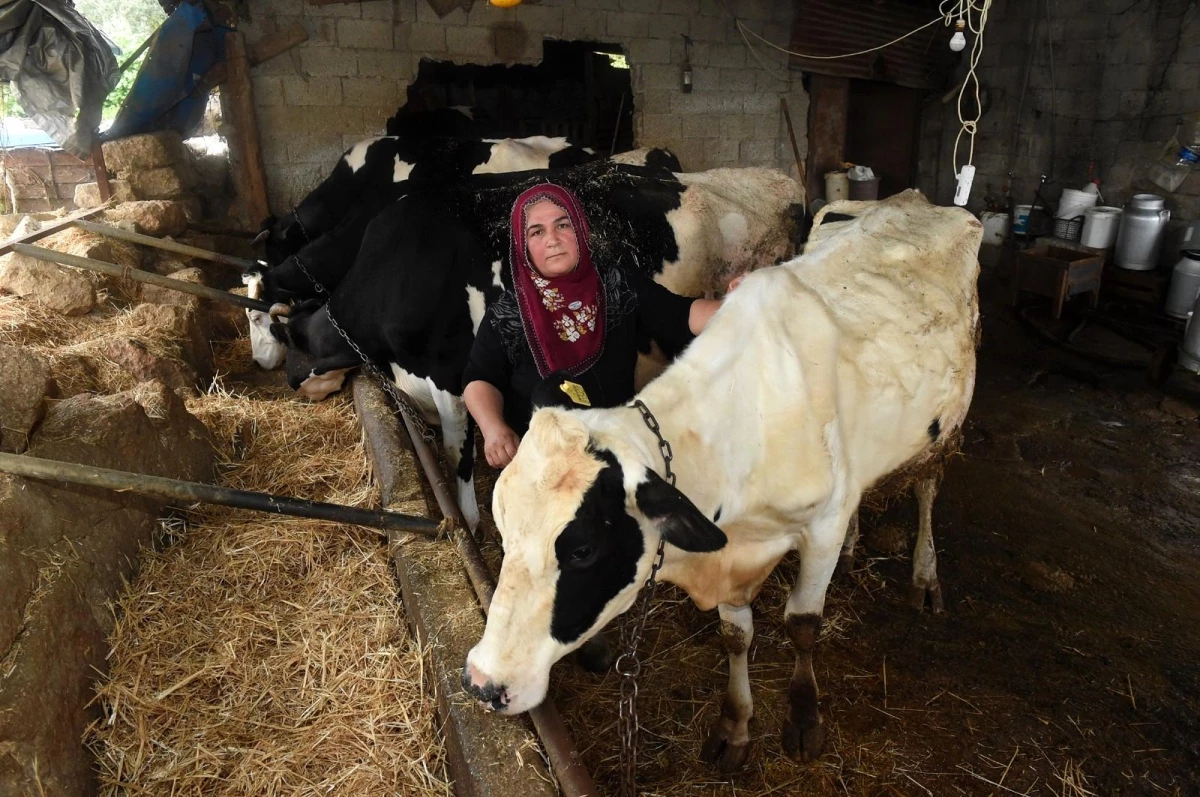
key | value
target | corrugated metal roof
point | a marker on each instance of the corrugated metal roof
(826, 27)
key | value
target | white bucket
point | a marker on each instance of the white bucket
(1072, 203)
(995, 227)
(1021, 219)
(1100, 226)
(837, 186)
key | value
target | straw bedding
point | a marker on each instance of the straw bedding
(252, 654)
(269, 656)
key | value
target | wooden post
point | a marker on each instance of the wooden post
(101, 170)
(787, 117)
(251, 172)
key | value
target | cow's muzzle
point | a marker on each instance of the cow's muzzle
(490, 696)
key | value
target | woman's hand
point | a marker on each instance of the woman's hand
(500, 445)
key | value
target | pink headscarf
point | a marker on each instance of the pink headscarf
(563, 316)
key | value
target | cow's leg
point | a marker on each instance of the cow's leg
(729, 740)
(803, 730)
(924, 577)
(846, 559)
(458, 437)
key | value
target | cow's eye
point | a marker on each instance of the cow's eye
(582, 556)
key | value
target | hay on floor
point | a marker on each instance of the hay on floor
(258, 655)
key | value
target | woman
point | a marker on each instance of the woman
(565, 316)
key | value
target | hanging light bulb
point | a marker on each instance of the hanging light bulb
(958, 41)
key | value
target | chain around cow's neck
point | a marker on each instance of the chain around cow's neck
(628, 665)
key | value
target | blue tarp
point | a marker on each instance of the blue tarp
(187, 45)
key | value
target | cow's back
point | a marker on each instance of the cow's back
(899, 282)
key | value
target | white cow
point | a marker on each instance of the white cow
(814, 381)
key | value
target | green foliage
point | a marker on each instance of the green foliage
(8, 103)
(128, 23)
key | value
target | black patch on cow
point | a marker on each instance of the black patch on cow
(597, 554)
(663, 159)
(717, 515)
(935, 429)
(677, 518)
(832, 217)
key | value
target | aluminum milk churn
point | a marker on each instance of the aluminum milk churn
(1185, 284)
(1140, 237)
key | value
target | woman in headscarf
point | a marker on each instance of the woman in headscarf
(565, 316)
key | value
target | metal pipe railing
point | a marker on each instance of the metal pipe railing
(159, 243)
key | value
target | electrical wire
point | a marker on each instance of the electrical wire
(930, 23)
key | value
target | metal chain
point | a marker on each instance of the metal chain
(303, 229)
(403, 403)
(628, 665)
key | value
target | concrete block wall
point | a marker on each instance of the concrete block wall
(40, 179)
(351, 75)
(1122, 74)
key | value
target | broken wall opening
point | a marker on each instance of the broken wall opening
(581, 90)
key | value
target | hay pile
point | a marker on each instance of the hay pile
(269, 656)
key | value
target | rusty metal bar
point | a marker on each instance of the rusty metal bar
(170, 246)
(177, 490)
(787, 116)
(573, 777)
(50, 229)
(120, 272)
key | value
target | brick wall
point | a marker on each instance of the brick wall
(342, 84)
(1123, 71)
(37, 179)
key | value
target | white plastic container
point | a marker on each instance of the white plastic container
(1021, 218)
(995, 227)
(837, 186)
(1072, 203)
(1100, 226)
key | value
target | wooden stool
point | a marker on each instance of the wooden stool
(1058, 273)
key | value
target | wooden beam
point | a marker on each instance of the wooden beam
(50, 229)
(101, 170)
(251, 172)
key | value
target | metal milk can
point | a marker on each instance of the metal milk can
(1140, 237)
(1185, 284)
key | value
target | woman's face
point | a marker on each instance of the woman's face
(550, 239)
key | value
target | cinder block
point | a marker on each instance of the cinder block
(335, 10)
(725, 152)
(624, 26)
(659, 130)
(738, 79)
(389, 64)
(758, 153)
(321, 148)
(274, 147)
(372, 93)
(764, 103)
(728, 55)
(649, 51)
(584, 24)
(268, 90)
(602, 5)
(689, 8)
(424, 39)
(512, 42)
(312, 119)
(737, 127)
(312, 91)
(27, 156)
(696, 102)
(364, 34)
(726, 103)
(669, 27)
(382, 11)
(470, 41)
(654, 100)
(321, 33)
(659, 76)
(643, 6)
(327, 62)
(544, 20)
(714, 29)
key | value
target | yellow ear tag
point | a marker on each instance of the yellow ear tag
(576, 393)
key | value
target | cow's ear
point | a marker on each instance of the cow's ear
(281, 332)
(677, 518)
(557, 390)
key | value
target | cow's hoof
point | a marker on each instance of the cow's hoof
(596, 655)
(844, 566)
(726, 755)
(803, 744)
(917, 596)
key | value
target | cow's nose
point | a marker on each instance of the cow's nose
(483, 689)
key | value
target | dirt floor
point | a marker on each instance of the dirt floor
(1068, 660)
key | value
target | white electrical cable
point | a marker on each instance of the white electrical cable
(970, 126)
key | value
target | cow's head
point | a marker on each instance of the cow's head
(317, 357)
(581, 523)
(281, 237)
(265, 348)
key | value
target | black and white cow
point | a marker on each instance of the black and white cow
(815, 380)
(378, 170)
(431, 263)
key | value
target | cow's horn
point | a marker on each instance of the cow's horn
(260, 237)
(279, 309)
